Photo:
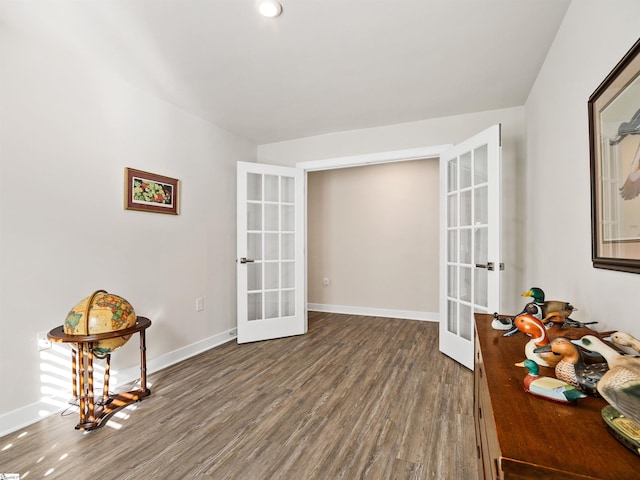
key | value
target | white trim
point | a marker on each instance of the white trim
(29, 414)
(375, 312)
(373, 158)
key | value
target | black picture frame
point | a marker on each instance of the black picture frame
(614, 150)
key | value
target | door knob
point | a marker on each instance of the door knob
(488, 266)
(246, 260)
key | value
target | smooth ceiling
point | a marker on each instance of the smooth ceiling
(323, 66)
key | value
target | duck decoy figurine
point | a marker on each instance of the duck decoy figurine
(548, 388)
(533, 327)
(572, 368)
(549, 306)
(560, 318)
(501, 322)
(620, 386)
(623, 339)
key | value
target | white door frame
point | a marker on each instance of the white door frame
(392, 156)
(419, 153)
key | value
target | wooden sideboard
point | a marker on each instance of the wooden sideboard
(520, 436)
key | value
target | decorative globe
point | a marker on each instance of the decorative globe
(101, 312)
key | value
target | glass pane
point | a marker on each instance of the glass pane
(465, 284)
(481, 279)
(465, 170)
(254, 216)
(481, 210)
(271, 188)
(254, 276)
(452, 210)
(254, 304)
(288, 303)
(288, 218)
(271, 276)
(272, 304)
(452, 281)
(452, 317)
(452, 167)
(481, 245)
(465, 208)
(271, 246)
(465, 324)
(288, 274)
(254, 186)
(288, 189)
(271, 218)
(288, 246)
(465, 245)
(254, 246)
(480, 165)
(452, 252)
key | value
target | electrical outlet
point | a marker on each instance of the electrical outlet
(199, 304)
(43, 342)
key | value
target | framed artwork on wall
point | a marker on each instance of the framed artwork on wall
(614, 146)
(149, 192)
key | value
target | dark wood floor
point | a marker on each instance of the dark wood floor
(355, 398)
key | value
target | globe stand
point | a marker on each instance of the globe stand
(82, 355)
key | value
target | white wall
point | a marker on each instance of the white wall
(593, 37)
(367, 231)
(67, 131)
(433, 132)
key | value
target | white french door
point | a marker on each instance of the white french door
(270, 255)
(470, 257)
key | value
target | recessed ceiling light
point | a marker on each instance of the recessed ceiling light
(269, 8)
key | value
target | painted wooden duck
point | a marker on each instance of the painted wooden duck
(501, 322)
(548, 388)
(549, 306)
(560, 318)
(620, 386)
(533, 327)
(504, 322)
(623, 339)
(572, 368)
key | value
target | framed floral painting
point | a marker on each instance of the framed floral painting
(149, 192)
(614, 141)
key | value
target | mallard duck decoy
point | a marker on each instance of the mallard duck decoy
(620, 386)
(533, 327)
(547, 387)
(623, 339)
(572, 368)
(548, 306)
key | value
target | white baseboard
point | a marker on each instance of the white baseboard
(375, 312)
(28, 414)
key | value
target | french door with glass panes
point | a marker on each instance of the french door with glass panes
(470, 258)
(270, 252)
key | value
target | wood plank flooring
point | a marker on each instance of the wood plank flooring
(356, 398)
